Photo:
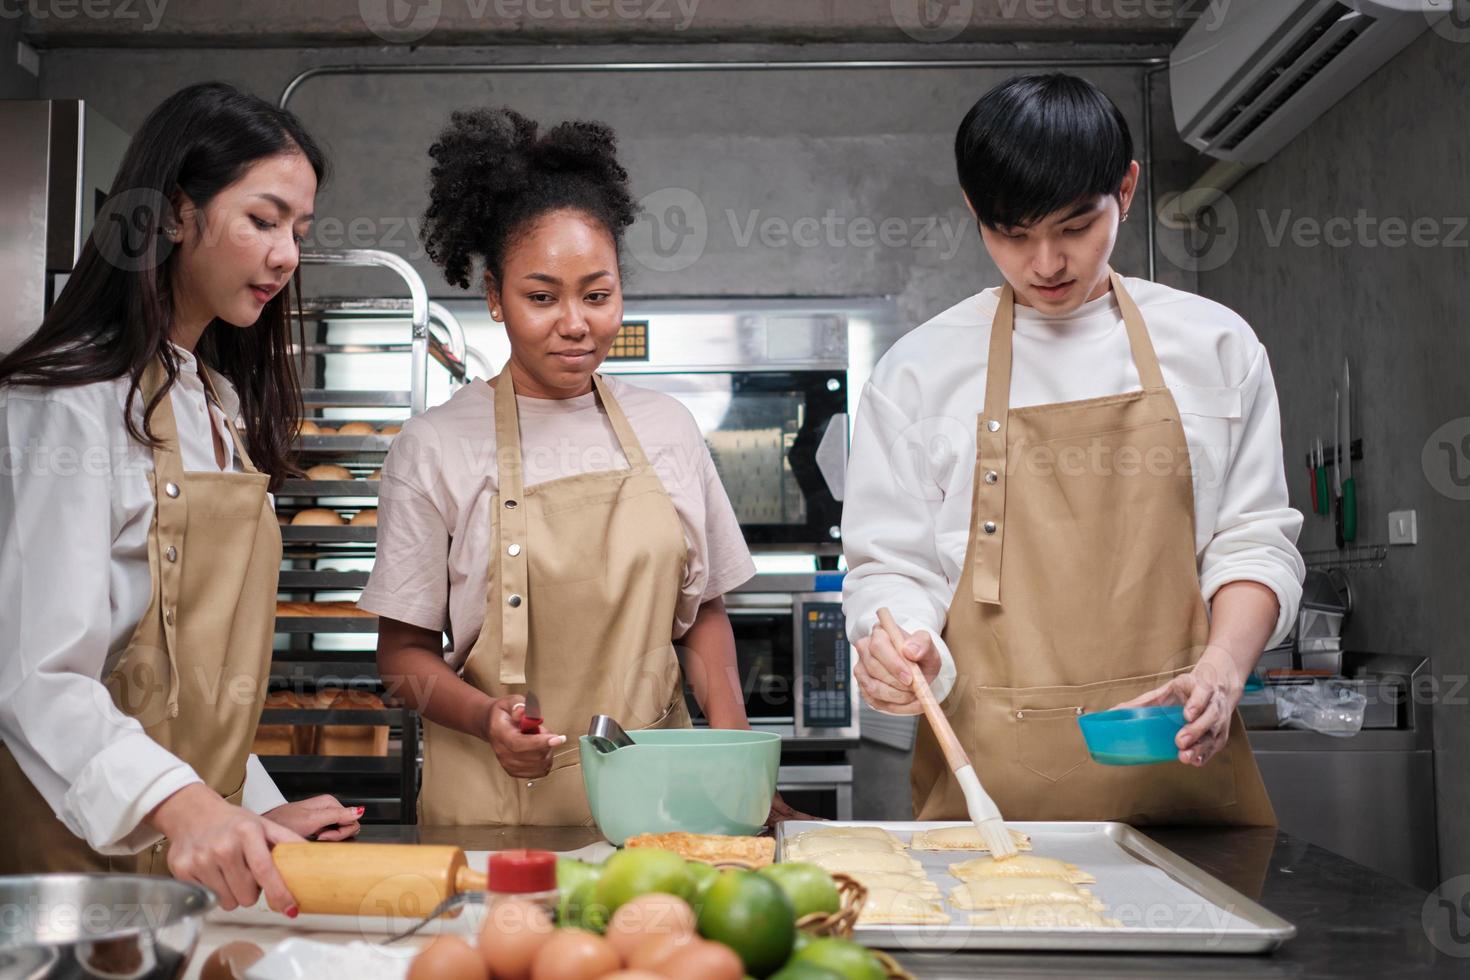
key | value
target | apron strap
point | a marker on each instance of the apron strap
(627, 440)
(987, 506)
(170, 518)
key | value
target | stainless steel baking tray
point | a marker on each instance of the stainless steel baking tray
(1165, 903)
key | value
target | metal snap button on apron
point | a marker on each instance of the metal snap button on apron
(514, 550)
(993, 425)
(510, 505)
(991, 476)
(171, 488)
(168, 617)
(989, 527)
(172, 554)
(513, 601)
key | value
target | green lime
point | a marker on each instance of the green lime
(640, 870)
(704, 876)
(752, 915)
(847, 959)
(581, 907)
(810, 888)
(797, 970)
(570, 873)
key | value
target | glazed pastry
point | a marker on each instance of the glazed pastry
(857, 862)
(889, 906)
(710, 848)
(867, 833)
(1000, 893)
(836, 845)
(963, 838)
(898, 881)
(1066, 916)
(1020, 866)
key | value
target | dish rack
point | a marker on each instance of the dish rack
(348, 735)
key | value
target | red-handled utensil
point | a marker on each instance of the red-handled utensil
(531, 715)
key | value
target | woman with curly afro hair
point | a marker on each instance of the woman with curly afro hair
(564, 528)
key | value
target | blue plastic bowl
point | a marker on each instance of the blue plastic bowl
(1133, 736)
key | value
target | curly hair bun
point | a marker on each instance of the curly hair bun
(493, 175)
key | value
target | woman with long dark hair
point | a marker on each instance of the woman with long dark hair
(139, 549)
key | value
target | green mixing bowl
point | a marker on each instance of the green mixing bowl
(698, 780)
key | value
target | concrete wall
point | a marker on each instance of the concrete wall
(15, 81)
(1396, 150)
(799, 182)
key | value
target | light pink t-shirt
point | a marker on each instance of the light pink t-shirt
(434, 525)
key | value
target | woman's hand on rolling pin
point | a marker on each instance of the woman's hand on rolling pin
(883, 669)
(223, 847)
(522, 756)
(319, 818)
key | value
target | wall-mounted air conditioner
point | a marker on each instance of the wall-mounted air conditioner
(1254, 73)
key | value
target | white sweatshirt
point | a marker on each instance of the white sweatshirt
(906, 516)
(75, 511)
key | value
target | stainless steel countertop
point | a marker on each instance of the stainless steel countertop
(1351, 921)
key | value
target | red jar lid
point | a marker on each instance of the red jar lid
(521, 871)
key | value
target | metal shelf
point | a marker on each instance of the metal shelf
(326, 624)
(344, 445)
(291, 533)
(345, 398)
(320, 580)
(328, 488)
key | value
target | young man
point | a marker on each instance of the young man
(1070, 492)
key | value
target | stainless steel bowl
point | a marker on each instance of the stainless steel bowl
(101, 927)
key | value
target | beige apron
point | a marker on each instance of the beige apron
(196, 668)
(1080, 590)
(583, 582)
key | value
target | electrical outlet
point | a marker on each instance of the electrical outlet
(1403, 527)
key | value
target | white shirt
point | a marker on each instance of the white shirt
(906, 518)
(75, 511)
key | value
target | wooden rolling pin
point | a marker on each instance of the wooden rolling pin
(395, 880)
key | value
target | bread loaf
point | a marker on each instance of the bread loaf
(282, 739)
(350, 739)
(319, 516)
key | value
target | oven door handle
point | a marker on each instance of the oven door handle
(733, 611)
(831, 456)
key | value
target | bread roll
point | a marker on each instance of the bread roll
(309, 428)
(319, 516)
(390, 430)
(365, 518)
(374, 475)
(328, 471)
(325, 430)
(357, 429)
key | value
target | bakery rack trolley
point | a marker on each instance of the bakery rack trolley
(324, 645)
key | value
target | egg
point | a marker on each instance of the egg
(448, 958)
(634, 975)
(651, 951)
(230, 961)
(654, 914)
(705, 959)
(513, 933)
(574, 954)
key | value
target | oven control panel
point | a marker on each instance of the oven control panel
(828, 702)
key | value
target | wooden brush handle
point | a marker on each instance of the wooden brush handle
(954, 753)
(395, 880)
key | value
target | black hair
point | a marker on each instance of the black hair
(1038, 143)
(493, 176)
(115, 316)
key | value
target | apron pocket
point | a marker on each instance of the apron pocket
(1049, 740)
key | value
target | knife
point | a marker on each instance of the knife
(1349, 488)
(1337, 465)
(1320, 502)
(531, 715)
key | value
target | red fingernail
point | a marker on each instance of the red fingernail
(361, 810)
(292, 912)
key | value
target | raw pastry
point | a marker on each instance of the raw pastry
(898, 881)
(328, 471)
(868, 833)
(318, 516)
(962, 838)
(1000, 893)
(356, 429)
(1020, 866)
(888, 906)
(710, 848)
(856, 862)
(836, 845)
(1068, 916)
